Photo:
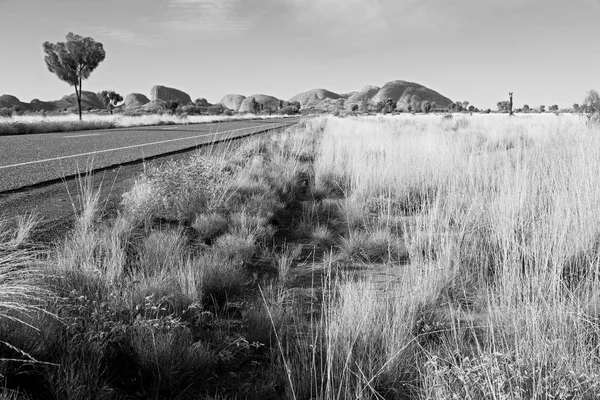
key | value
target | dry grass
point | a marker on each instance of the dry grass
(29, 124)
(498, 218)
(500, 221)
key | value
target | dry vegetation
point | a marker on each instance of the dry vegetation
(346, 258)
(28, 124)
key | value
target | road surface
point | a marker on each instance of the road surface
(27, 160)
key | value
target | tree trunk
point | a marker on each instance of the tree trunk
(77, 95)
(79, 99)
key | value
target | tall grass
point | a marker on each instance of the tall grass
(500, 218)
(29, 124)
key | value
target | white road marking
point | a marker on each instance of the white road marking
(132, 147)
(74, 136)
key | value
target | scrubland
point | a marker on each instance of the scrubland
(27, 124)
(392, 257)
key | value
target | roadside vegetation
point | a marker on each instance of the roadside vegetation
(344, 258)
(28, 124)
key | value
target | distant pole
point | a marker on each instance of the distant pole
(510, 104)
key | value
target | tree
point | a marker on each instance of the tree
(434, 105)
(465, 105)
(576, 107)
(389, 105)
(542, 108)
(553, 107)
(471, 108)
(74, 60)
(426, 106)
(503, 106)
(526, 108)
(171, 105)
(415, 103)
(110, 98)
(591, 107)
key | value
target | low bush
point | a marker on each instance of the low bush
(18, 127)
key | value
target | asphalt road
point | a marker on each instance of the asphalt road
(27, 160)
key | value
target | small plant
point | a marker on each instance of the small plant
(6, 112)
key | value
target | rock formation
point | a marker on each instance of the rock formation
(134, 100)
(233, 101)
(8, 101)
(202, 102)
(154, 105)
(166, 93)
(402, 91)
(69, 102)
(312, 98)
(265, 102)
(365, 94)
(347, 95)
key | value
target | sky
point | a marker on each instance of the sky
(545, 51)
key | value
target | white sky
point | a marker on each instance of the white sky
(545, 51)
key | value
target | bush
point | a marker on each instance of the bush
(221, 279)
(175, 191)
(192, 109)
(6, 112)
(217, 109)
(591, 107)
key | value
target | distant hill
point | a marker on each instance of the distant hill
(265, 102)
(400, 92)
(88, 100)
(164, 93)
(8, 101)
(68, 102)
(133, 100)
(233, 101)
(365, 94)
(319, 100)
(314, 97)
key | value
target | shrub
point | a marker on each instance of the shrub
(170, 364)
(216, 109)
(192, 109)
(591, 107)
(6, 112)
(175, 191)
(209, 226)
(220, 279)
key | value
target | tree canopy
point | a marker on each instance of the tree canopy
(74, 60)
(591, 107)
(110, 98)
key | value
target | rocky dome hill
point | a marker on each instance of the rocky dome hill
(320, 100)
(265, 102)
(233, 101)
(313, 97)
(365, 94)
(400, 92)
(169, 94)
(89, 100)
(8, 101)
(133, 100)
